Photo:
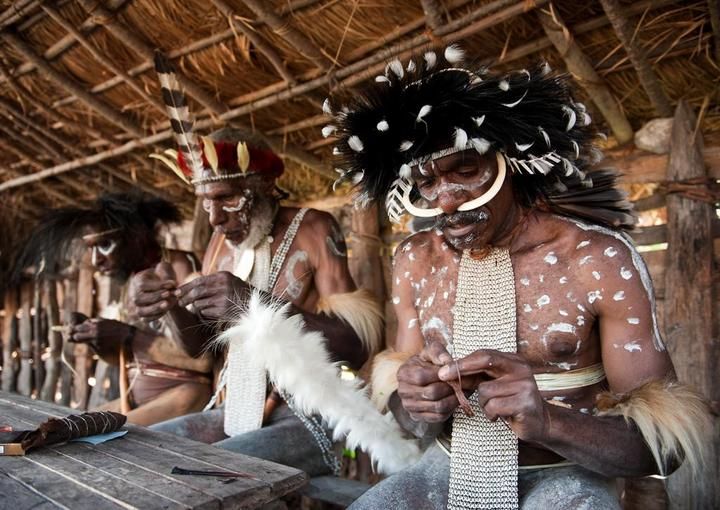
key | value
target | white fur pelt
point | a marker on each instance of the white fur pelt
(361, 311)
(383, 381)
(673, 419)
(299, 364)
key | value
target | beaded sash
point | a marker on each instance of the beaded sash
(247, 384)
(484, 454)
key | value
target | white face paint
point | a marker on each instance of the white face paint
(633, 320)
(551, 258)
(543, 300)
(619, 295)
(453, 188)
(632, 346)
(106, 249)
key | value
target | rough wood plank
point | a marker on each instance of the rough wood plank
(689, 325)
(331, 489)
(52, 363)
(643, 167)
(18, 496)
(9, 339)
(24, 380)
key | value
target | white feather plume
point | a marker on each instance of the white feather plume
(336, 151)
(270, 334)
(381, 78)
(515, 103)
(396, 67)
(326, 108)
(355, 143)
(454, 54)
(481, 145)
(504, 85)
(328, 130)
(423, 112)
(479, 120)
(357, 177)
(430, 59)
(545, 136)
(546, 69)
(411, 66)
(571, 117)
(576, 148)
(382, 125)
(405, 172)
(405, 146)
(522, 147)
(461, 138)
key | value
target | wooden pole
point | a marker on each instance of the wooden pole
(69, 305)
(83, 354)
(433, 14)
(582, 70)
(690, 324)
(55, 341)
(365, 247)
(648, 78)
(24, 380)
(292, 35)
(9, 337)
(38, 339)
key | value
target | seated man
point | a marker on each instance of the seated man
(158, 380)
(297, 256)
(528, 343)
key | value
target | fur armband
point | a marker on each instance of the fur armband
(673, 419)
(383, 380)
(299, 364)
(361, 311)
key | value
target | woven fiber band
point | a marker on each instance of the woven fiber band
(484, 454)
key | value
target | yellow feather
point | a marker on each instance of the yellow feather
(210, 153)
(243, 156)
(172, 165)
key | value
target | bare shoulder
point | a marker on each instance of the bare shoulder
(421, 246)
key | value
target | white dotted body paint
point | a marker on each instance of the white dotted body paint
(585, 259)
(551, 258)
(563, 365)
(593, 296)
(436, 324)
(596, 275)
(534, 327)
(412, 257)
(412, 323)
(407, 247)
(580, 320)
(527, 308)
(619, 295)
(294, 287)
(563, 313)
(633, 320)
(625, 273)
(407, 274)
(584, 410)
(397, 280)
(582, 244)
(632, 346)
(525, 281)
(610, 252)
(570, 296)
(396, 300)
(557, 327)
(542, 278)
(640, 267)
(563, 280)
(581, 308)
(543, 300)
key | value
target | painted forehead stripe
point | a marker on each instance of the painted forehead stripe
(89, 237)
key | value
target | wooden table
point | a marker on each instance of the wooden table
(130, 472)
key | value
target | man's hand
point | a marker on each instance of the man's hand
(424, 396)
(506, 389)
(214, 296)
(153, 291)
(104, 335)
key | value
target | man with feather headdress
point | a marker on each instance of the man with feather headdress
(121, 234)
(285, 254)
(528, 347)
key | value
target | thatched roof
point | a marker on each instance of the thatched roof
(79, 99)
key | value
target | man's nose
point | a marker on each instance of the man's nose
(448, 200)
(216, 215)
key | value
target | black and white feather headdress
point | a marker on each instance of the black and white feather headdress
(433, 106)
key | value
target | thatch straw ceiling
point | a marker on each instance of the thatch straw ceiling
(61, 98)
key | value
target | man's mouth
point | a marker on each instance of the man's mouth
(461, 223)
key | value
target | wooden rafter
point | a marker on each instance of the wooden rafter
(100, 58)
(292, 35)
(582, 69)
(256, 39)
(648, 78)
(70, 85)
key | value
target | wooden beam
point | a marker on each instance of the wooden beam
(714, 10)
(256, 39)
(315, 120)
(690, 321)
(16, 12)
(643, 167)
(648, 78)
(582, 70)
(65, 82)
(100, 58)
(285, 30)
